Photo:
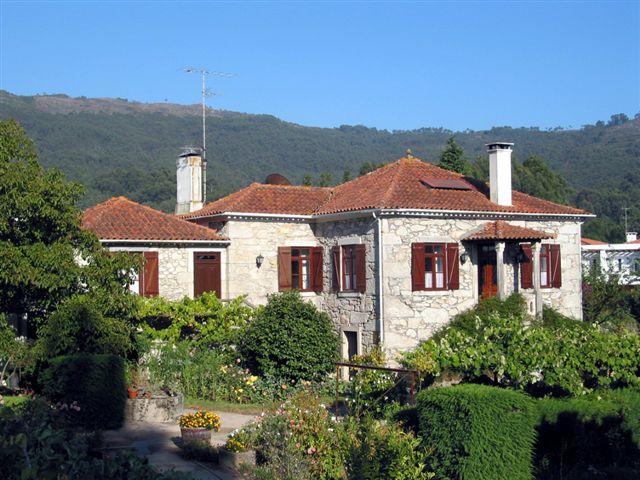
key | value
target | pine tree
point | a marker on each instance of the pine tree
(453, 158)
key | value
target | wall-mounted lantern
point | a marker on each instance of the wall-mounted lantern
(259, 260)
(464, 257)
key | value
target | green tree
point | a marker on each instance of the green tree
(453, 158)
(307, 180)
(41, 239)
(346, 175)
(324, 180)
(534, 177)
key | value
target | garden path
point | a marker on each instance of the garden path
(159, 443)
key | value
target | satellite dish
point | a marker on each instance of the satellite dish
(277, 179)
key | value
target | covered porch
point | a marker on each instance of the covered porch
(505, 254)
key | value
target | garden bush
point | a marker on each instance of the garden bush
(77, 326)
(290, 339)
(94, 382)
(589, 437)
(476, 432)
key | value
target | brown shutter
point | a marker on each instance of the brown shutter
(335, 266)
(453, 266)
(361, 268)
(556, 266)
(417, 266)
(149, 284)
(284, 268)
(316, 268)
(526, 267)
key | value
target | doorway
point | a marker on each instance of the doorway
(487, 274)
(206, 273)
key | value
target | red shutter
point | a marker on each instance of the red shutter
(316, 266)
(149, 285)
(453, 266)
(335, 266)
(361, 268)
(526, 267)
(284, 268)
(556, 266)
(417, 266)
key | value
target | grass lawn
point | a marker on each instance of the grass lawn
(222, 406)
(10, 401)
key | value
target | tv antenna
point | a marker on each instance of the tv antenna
(205, 93)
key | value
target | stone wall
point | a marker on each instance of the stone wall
(249, 239)
(351, 311)
(410, 317)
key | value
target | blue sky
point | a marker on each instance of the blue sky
(398, 65)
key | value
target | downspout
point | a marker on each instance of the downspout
(379, 278)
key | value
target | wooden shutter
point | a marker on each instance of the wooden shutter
(316, 269)
(361, 268)
(453, 266)
(417, 266)
(526, 267)
(149, 281)
(556, 266)
(284, 268)
(335, 268)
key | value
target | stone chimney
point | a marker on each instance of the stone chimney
(189, 177)
(632, 236)
(500, 172)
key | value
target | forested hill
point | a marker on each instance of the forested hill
(115, 146)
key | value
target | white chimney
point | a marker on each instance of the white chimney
(500, 172)
(189, 176)
(632, 236)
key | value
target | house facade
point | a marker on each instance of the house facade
(620, 259)
(393, 255)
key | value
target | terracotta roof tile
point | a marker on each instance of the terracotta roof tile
(122, 219)
(501, 230)
(590, 241)
(398, 185)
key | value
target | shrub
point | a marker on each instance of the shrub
(77, 326)
(290, 339)
(589, 437)
(95, 382)
(477, 432)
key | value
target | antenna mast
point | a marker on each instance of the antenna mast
(205, 93)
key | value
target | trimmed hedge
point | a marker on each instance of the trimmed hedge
(475, 432)
(95, 382)
(589, 437)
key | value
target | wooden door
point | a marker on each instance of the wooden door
(206, 273)
(487, 275)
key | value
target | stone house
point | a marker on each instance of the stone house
(394, 254)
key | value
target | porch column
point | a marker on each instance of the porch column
(501, 274)
(535, 250)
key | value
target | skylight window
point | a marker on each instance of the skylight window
(446, 183)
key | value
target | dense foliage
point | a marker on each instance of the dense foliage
(568, 359)
(453, 158)
(290, 339)
(41, 238)
(95, 383)
(37, 443)
(477, 432)
(609, 303)
(135, 150)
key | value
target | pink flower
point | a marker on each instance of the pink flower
(311, 450)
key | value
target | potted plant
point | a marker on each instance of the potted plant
(198, 426)
(132, 379)
(132, 391)
(237, 451)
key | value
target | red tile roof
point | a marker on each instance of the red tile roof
(398, 185)
(501, 230)
(590, 241)
(122, 219)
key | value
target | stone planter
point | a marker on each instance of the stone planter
(196, 435)
(157, 409)
(234, 460)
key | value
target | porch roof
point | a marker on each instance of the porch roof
(501, 230)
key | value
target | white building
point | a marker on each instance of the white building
(620, 259)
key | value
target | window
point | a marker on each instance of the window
(434, 266)
(300, 268)
(349, 268)
(550, 266)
